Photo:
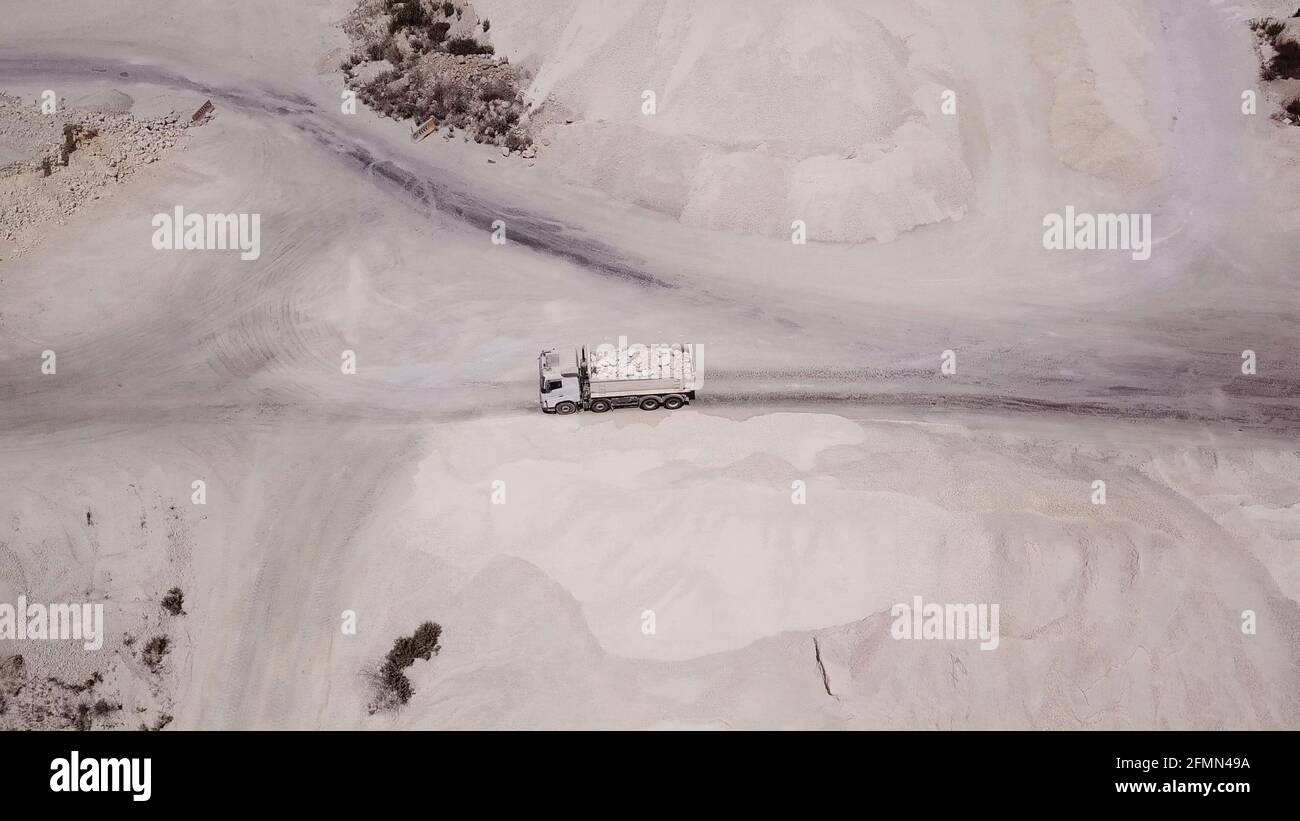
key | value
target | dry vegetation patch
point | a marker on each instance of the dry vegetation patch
(417, 59)
(391, 688)
(1278, 45)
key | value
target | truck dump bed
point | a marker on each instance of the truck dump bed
(633, 387)
(640, 369)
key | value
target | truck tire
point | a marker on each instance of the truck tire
(600, 405)
(673, 402)
(650, 403)
(566, 408)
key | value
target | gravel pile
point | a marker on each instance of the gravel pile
(53, 164)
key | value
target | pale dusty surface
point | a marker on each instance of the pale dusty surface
(373, 492)
(764, 113)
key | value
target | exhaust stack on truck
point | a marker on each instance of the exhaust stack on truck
(602, 377)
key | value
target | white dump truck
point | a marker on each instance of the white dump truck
(601, 377)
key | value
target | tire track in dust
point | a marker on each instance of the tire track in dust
(527, 229)
(293, 550)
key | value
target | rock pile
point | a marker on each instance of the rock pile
(416, 60)
(53, 164)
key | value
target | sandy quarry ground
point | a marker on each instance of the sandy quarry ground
(373, 492)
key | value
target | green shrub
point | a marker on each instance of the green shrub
(468, 45)
(392, 688)
(392, 53)
(174, 602)
(1286, 63)
(406, 15)
(155, 651)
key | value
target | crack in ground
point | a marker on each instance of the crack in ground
(826, 679)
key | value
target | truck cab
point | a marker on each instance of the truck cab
(559, 388)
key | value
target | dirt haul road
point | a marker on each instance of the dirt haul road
(1156, 371)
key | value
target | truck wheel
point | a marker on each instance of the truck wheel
(673, 402)
(600, 405)
(650, 403)
(566, 408)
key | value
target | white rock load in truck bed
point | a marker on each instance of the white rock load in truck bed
(658, 361)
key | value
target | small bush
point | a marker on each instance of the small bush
(468, 45)
(155, 651)
(426, 639)
(487, 25)
(1268, 27)
(392, 53)
(174, 602)
(516, 141)
(392, 688)
(1286, 63)
(434, 94)
(496, 90)
(89, 684)
(438, 31)
(458, 101)
(422, 645)
(406, 15)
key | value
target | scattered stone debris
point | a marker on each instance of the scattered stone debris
(29, 702)
(53, 164)
(162, 721)
(424, 61)
(95, 678)
(64, 684)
